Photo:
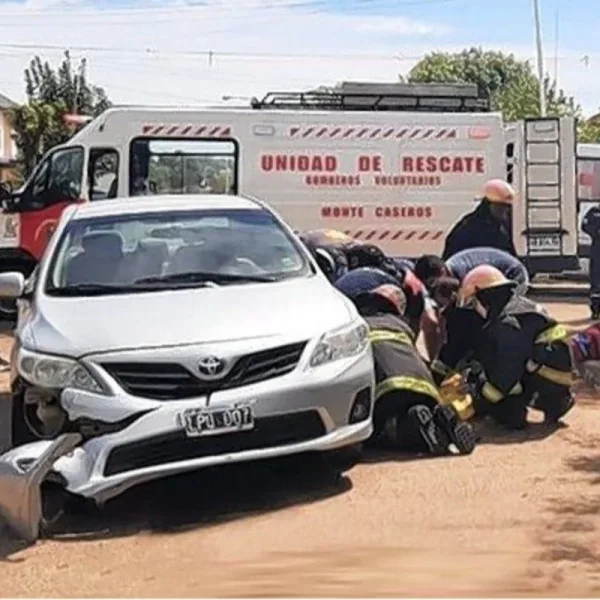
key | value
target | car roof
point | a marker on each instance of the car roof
(166, 203)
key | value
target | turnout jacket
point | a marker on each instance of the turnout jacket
(523, 351)
(477, 229)
(398, 364)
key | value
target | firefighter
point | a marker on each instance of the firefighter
(445, 330)
(408, 413)
(328, 249)
(522, 357)
(488, 225)
(365, 279)
(591, 226)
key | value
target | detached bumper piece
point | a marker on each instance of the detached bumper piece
(20, 484)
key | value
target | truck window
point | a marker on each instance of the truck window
(165, 166)
(57, 179)
(103, 173)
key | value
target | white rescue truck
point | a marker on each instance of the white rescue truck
(395, 165)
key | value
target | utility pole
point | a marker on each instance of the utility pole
(540, 55)
(556, 33)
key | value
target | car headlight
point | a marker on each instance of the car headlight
(341, 343)
(55, 372)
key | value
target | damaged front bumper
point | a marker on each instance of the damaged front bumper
(22, 472)
(104, 427)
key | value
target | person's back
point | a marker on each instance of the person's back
(464, 261)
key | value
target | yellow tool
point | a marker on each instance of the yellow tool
(452, 391)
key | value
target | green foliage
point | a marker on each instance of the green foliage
(589, 132)
(51, 94)
(510, 83)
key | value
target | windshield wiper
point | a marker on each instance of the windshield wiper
(91, 289)
(205, 277)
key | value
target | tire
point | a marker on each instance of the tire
(343, 459)
(20, 433)
(57, 503)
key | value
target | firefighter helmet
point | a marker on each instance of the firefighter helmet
(498, 191)
(325, 237)
(480, 278)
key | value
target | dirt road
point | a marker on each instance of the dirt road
(519, 517)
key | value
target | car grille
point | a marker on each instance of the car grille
(268, 432)
(172, 381)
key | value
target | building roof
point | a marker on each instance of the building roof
(6, 103)
(594, 118)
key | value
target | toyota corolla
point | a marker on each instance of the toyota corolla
(189, 332)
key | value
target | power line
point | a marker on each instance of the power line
(153, 53)
(205, 53)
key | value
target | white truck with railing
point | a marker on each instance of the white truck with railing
(396, 165)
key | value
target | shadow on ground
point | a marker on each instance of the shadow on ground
(494, 434)
(569, 538)
(207, 498)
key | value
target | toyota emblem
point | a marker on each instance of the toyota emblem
(211, 367)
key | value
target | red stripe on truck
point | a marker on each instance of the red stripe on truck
(400, 234)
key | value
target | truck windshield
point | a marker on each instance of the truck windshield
(170, 250)
(163, 166)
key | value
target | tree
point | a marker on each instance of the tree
(510, 84)
(51, 94)
(589, 132)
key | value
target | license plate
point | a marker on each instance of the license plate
(546, 242)
(198, 422)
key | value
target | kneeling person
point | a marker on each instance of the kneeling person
(523, 353)
(408, 414)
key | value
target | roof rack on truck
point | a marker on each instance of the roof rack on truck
(429, 97)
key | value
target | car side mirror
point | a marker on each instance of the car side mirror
(12, 284)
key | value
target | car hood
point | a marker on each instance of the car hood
(75, 327)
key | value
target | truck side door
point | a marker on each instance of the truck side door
(57, 182)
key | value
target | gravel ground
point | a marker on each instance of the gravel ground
(517, 518)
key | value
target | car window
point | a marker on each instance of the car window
(127, 250)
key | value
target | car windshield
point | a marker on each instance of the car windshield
(173, 250)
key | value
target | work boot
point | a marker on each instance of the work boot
(435, 438)
(461, 434)
(558, 409)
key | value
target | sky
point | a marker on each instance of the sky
(190, 52)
